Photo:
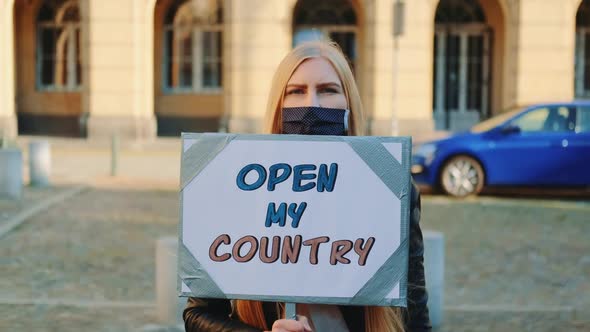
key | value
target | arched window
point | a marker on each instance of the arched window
(582, 60)
(462, 48)
(459, 12)
(193, 44)
(333, 19)
(58, 46)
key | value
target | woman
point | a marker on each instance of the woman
(315, 81)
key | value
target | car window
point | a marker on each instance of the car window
(548, 119)
(583, 120)
(565, 119)
(494, 121)
(532, 121)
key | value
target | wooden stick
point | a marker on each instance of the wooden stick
(291, 310)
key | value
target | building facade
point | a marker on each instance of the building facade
(141, 68)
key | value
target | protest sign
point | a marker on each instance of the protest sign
(292, 218)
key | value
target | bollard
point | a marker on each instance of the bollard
(434, 269)
(166, 279)
(39, 163)
(11, 173)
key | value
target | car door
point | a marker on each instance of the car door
(578, 147)
(533, 154)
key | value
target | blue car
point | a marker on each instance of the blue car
(540, 145)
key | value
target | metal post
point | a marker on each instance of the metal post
(398, 30)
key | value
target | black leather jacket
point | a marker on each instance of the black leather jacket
(212, 315)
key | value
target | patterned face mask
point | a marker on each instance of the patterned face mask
(312, 120)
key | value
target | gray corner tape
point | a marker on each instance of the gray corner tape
(382, 163)
(195, 276)
(388, 275)
(178, 259)
(200, 154)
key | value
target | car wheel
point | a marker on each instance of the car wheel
(462, 176)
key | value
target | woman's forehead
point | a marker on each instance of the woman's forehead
(315, 70)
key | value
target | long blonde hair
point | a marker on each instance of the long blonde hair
(314, 49)
(382, 319)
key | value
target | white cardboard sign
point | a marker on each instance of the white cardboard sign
(293, 218)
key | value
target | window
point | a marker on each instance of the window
(192, 47)
(582, 57)
(533, 120)
(459, 12)
(554, 119)
(583, 120)
(59, 65)
(462, 63)
(327, 19)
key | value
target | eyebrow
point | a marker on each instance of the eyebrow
(299, 85)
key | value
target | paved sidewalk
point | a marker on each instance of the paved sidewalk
(513, 265)
(31, 196)
(86, 263)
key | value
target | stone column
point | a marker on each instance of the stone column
(8, 124)
(257, 37)
(398, 88)
(116, 96)
(377, 85)
(545, 44)
(413, 59)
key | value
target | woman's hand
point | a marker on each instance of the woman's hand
(290, 325)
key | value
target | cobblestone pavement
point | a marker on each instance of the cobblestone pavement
(514, 265)
(98, 247)
(88, 263)
(31, 196)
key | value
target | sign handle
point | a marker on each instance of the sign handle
(290, 311)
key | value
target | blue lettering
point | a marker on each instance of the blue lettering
(274, 216)
(296, 213)
(274, 178)
(327, 180)
(299, 176)
(241, 179)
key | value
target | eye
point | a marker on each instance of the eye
(329, 90)
(295, 91)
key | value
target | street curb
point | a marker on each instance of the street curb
(509, 203)
(21, 217)
(91, 304)
(508, 308)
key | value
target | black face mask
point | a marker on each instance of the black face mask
(312, 120)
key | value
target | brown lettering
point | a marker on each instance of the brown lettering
(238, 246)
(315, 246)
(276, 243)
(363, 252)
(225, 239)
(291, 249)
(339, 249)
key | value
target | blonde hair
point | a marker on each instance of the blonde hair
(314, 49)
(382, 319)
